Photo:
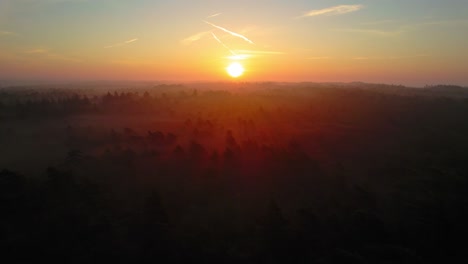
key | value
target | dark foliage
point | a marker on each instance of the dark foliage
(263, 173)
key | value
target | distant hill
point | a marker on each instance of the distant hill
(447, 88)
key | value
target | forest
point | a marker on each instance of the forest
(234, 172)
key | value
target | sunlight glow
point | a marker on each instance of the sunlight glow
(239, 57)
(235, 69)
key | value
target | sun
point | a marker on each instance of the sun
(235, 69)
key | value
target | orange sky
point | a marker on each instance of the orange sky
(417, 43)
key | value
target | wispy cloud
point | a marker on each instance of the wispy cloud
(214, 15)
(121, 43)
(246, 54)
(334, 10)
(37, 51)
(259, 52)
(405, 28)
(455, 22)
(6, 33)
(222, 43)
(50, 1)
(132, 62)
(380, 22)
(318, 58)
(376, 32)
(50, 55)
(362, 58)
(239, 57)
(392, 57)
(195, 37)
(230, 32)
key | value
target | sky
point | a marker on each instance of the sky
(410, 42)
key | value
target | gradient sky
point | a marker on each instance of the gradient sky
(413, 42)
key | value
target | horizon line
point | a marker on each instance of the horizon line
(39, 81)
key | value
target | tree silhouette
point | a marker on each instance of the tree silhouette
(275, 234)
(155, 232)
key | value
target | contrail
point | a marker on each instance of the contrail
(230, 32)
(130, 41)
(121, 44)
(217, 39)
(334, 10)
(196, 37)
(214, 15)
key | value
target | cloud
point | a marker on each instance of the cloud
(224, 45)
(130, 41)
(334, 10)
(404, 28)
(214, 15)
(319, 58)
(51, 1)
(260, 52)
(375, 32)
(45, 53)
(456, 22)
(121, 43)
(239, 57)
(246, 54)
(132, 62)
(363, 58)
(393, 57)
(6, 33)
(380, 22)
(195, 37)
(36, 51)
(230, 32)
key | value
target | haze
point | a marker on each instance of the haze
(398, 42)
